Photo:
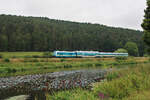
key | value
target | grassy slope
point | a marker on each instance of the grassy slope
(127, 84)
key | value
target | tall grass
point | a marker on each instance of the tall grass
(131, 80)
(124, 84)
(77, 94)
(34, 65)
(142, 95)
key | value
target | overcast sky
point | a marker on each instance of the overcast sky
(118, 13)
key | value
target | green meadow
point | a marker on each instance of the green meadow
(24, 63)
(123, 83)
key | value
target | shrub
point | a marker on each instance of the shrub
(47, 54)
(112, 75)
(1, 56)
(14, 70)
(121, 50)
(89, 65)
(132, 48)
(98, 64)
(31, 60)
(146, 55)
(121, 58)
(149, 58)
(42, 60)
(45, 67)
(36, 56)
(67, 66)
(6, 60)
(9, 70)
(23, 69)
(34, 60)
(62, 60)
(27, 56)
(14, 57)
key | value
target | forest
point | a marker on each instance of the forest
(20, 33)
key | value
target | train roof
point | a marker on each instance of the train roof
(92, 52)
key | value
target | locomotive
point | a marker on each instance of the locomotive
(83, 54)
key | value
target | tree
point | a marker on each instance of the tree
(121, 50)
(18, 33)
(146, 24)
(132, 48)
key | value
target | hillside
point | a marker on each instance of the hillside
(19, 33)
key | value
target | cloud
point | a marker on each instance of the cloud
(120, 13)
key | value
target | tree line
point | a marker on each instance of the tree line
(20, 33)
(146, 27)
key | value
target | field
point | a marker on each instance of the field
(23, 63)
(20, 54)
(129, 83)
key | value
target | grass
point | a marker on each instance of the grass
(23, 63)
(36, 66)
(19, 54)
(142, 95)
(127, 84)
(77, 94)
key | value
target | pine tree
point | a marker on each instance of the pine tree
(146, 24)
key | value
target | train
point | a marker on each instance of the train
(83, 54)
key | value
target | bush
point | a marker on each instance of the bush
(121, 58)
(23, 69)
(62, 60)
(1, 56)
(6, 60)
(42, 60)
(146, 55)
(112, 75)
(89, 65)
(14, 57)
(98, 65)
(36, 56)
(67, 66)
(47, 54)
(121, 50)
(9, 70)
(132, 48)
(27, 56)
(34, 60)
(31, 60)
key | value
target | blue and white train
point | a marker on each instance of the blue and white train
(82, 54)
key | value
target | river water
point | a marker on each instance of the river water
(90, 75)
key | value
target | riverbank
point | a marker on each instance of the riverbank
(29, 66)
(34, 74)
(127, 84)
(49, 82)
